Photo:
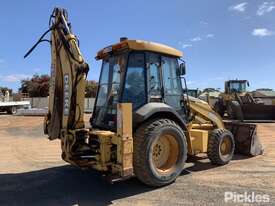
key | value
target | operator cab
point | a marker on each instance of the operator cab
(138, 72)
(236, 86)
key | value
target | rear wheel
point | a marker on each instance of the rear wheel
(12, 110)
(160, 151)
(221, 146)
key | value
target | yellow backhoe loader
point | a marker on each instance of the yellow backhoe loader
(143, 124)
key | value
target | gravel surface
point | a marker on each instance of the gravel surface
(32, 173)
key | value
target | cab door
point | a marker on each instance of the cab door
(171, 82)
(134, 90)
(154, 76)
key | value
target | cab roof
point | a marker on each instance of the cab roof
(237, 81)
(139, 45)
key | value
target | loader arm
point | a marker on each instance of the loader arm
(245, 134)
(203, 113)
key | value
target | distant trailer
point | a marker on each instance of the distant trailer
(12, 106)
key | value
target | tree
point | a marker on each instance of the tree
(37, 86)
(91, 88)
(4, 89)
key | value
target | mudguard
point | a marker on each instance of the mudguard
(156, 108)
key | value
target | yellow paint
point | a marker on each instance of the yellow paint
(140, 45)
(204, 114)
(125, 138)
(199, 140)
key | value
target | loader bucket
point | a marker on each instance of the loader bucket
(246, 140)
(258, 112)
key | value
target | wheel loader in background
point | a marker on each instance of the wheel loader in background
(240, 104)
(193, 92)
(142, 124)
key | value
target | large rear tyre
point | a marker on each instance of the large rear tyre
(160, 151)
(221, 146)
(219, 108)
(234, 111)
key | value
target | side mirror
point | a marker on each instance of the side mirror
(182, 69)
(247, 83)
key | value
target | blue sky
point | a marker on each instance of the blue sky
(220, 39)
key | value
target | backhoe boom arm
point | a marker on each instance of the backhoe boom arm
(67, 85)
(68, 73)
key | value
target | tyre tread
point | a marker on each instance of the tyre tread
(213, 146)
(142, 135)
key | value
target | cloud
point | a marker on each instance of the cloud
(183, 45)
(186, 45)
(265, 7)
(36, 69)
(239, 7)
(262, 32)
(14, 77)
(210, 36)
(196, 39)
(203, 23)
(190, 82)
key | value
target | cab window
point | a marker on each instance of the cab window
(172, 82)
(153, 65)
(134, 89)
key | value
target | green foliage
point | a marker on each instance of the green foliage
(37, 86)
(91, 88)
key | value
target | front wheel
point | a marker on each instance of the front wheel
(160, 151)
(221, 146)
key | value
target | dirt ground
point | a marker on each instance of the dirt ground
(32, 173)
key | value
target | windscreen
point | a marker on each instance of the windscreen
(108, 92)
(237, 87)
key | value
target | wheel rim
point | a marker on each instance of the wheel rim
(226, 146)
(165, 153)
(13, 110)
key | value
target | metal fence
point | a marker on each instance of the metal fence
(42, 102)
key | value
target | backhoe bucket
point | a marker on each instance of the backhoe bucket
(246, 139)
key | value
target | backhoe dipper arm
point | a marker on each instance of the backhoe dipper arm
(68, 73)
(67, 83)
